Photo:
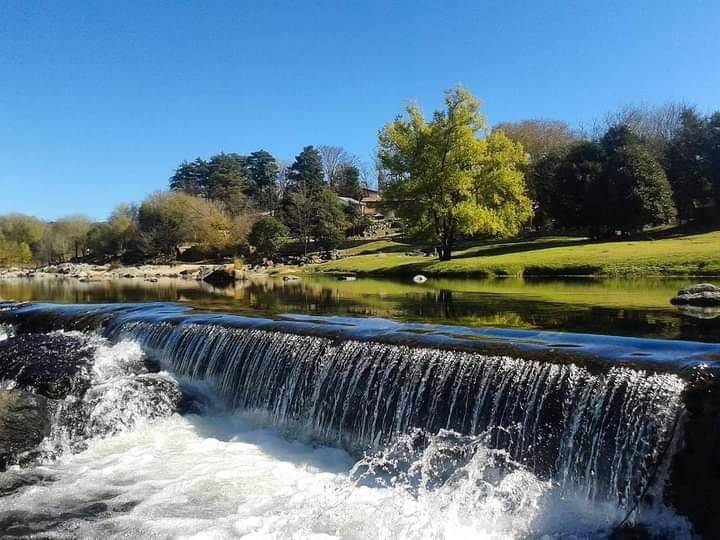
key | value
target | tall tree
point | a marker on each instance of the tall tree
(305, 183)
(713, 156)
(348, 182)
(228, 181)
(306, 173)
(688, 167)
(191, 178)
(329, 222)
(334, 158)
(446, 181)
(567, 197)
(634, 190)
(262, 171)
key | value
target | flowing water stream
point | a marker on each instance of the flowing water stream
(325, 434)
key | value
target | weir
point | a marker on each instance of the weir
(629, 421)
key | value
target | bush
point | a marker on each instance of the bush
(267, 236)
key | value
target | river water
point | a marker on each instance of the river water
(224, 475)
(622, 306)
(529, 451)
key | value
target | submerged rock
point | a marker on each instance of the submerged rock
(24, 423)
(701, 295)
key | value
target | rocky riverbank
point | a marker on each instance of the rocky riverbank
(91, 272)
(215, 274)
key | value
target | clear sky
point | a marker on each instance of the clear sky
(100, 100)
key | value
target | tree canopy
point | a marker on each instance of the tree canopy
(447, 178)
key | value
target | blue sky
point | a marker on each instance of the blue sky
(100, 100)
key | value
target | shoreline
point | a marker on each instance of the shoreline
(86, 272)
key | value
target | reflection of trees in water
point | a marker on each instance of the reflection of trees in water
(373, 298)
(503, 310)
(105, 291)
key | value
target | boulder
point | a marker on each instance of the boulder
(221, 276)
(701, 295)
(24, 423)
(52, 365)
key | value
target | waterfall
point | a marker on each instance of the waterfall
(602, 433)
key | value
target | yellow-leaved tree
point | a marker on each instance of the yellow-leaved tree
(448, 178)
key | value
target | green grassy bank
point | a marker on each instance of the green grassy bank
(686, 255)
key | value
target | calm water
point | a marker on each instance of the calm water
(635, 307)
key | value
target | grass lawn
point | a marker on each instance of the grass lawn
(688, 255)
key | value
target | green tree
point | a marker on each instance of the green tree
(267, 236)
(305, 183)
(348, 182)
(329, 223)
(306, 173)
(299, 215)
(167, 219)
(14, 253)
(20, 228)
(713, 156)
(223, 179)
(228, 181)
(688, 168)
(446, 181)
(191, 178)
(633, 191)
(567, 195)
(615, 184)
(263, 171)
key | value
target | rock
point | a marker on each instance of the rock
(152, 279)
(221, 276)
(129, 276)
(52, 365)
(347, 278)
(291, 278)
(700, 312)
(701, 295)
(24, 423)
(419, 279)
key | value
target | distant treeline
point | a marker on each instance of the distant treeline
(213, 207)
(446, 177)
(641, 166)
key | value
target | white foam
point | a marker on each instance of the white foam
(223, 477)
(6, 331)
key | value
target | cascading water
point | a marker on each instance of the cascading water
(461, 439)
(601, 433)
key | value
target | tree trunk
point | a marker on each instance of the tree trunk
(445, 249)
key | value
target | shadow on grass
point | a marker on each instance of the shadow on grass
(387, 249)
(520, 246)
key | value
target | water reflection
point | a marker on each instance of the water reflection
(638, 307)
